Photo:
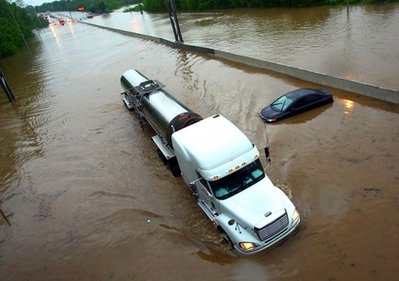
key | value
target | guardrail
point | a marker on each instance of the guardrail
(389, 95)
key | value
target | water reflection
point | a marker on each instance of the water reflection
(71, 27)
(349, 105)
(56, 34)
(248, 270)
(135, 25)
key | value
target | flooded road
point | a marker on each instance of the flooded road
(88, 198)
(356, 43)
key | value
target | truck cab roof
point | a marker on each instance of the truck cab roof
(215, 145)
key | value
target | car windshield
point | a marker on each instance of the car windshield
(282, 103)
(238, 181)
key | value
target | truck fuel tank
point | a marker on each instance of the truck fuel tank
(152, 103)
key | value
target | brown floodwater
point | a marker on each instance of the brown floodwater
(87, 197)
(358, 43)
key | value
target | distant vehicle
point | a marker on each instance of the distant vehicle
(295, 102)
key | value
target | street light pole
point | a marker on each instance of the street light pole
(347, 6)
(170, 4)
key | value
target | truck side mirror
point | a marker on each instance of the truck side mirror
(194, 188)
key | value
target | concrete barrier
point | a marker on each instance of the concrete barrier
(372, 91)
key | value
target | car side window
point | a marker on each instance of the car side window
(311, 98)
(301, 102)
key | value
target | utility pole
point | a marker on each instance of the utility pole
(347, 7)
(170, 4)
(6, 87)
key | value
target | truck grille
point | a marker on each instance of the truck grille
(272, 228)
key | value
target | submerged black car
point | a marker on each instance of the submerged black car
(295, 102)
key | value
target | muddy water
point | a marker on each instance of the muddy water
(356, 43)
(88, 198)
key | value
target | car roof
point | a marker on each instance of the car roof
(299, 93)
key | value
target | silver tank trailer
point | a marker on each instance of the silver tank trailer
(153, 104)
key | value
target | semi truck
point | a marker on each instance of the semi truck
(219, 164)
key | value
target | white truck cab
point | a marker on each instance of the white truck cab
(223, 169)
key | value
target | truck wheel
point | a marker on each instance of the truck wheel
(226, 237)
(174, 167)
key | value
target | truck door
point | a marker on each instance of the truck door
(205, 196)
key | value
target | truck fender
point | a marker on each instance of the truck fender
(225, 226)
(226, 237)
(235, 231)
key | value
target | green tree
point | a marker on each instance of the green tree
(101, 6)
(154, 5)
(15, 25)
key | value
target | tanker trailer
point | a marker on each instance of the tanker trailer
(219, 164)
(155, 106)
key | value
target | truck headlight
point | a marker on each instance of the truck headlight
(295, 217)
(248, 246)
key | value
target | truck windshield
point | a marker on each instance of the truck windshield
(238, 181)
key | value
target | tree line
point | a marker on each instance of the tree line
(94, 6)
(201, 5)
(15, 25)
(101, 6)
